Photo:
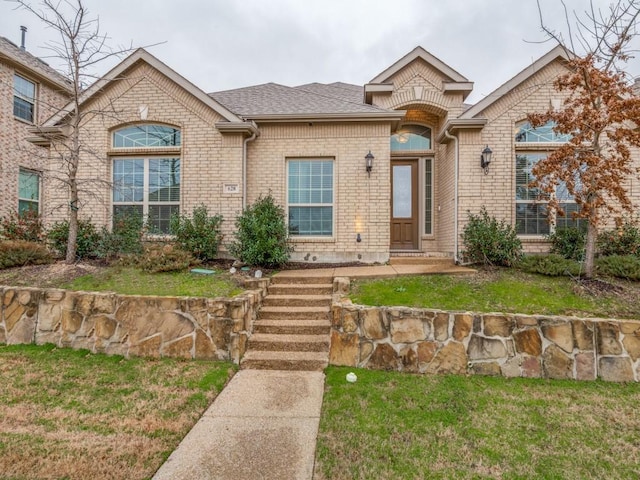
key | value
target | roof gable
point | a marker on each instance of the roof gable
(141, 55)
(419, 53)
(558, 52)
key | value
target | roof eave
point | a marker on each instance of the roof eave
(389, 116)
(458, 87)
(371, 88)
(249, 128)
(457, 125)
(40, 76)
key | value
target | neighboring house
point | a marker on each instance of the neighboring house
(30, 92)
(362, 171)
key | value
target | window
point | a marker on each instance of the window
(148, 186)
(28, 191)
(531, 205)
(428, 197)
(310, 197)
(411, 138)
(146, 136)
(24, 98)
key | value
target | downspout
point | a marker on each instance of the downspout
(244, 169)
(455, 195)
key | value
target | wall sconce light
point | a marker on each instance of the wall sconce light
(369, 162)
(485, 159)
(358, 238)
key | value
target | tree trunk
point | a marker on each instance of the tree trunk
(590, 250)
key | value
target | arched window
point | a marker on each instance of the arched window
(411, 138)
(146, 136)
(143, 185)
(543, 134)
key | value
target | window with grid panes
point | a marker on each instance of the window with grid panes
(310, 197)
(24, 98)
(147, 186)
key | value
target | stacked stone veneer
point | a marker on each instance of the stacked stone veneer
(435, 341)
(181, 327)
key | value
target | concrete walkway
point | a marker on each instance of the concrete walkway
(262, 426)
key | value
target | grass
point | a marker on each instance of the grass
(132, 281)
(75, 415)
(504, 290)
(393, 425)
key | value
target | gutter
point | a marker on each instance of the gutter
(244, 168)
(455, 194)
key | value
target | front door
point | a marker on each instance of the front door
(404, 205)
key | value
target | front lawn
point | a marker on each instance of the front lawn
(132, 281)
(396, 425)
(75, 415)
(503, 290)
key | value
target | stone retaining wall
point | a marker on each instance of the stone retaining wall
(182, 327)
(435, 341)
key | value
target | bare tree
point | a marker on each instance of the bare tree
(600, 113)
(81, 47)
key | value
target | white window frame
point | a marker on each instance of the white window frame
(303, 205)
(30, 200)
(145, 203)
(31, 101)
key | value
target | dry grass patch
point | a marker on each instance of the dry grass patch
(393, 425)
(74, 415)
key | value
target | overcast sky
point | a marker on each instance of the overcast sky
(224, 44)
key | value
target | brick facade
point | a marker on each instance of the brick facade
(429, 94)
(15, 152)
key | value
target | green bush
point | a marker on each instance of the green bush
(199, 234)
(158, 258)
(490, 242)
(125, 238)
(18, 253)
(87, 242)
(261, 236)
(621, 266)
(552, 265)
(624, 240)
(25, 226)
(569, 243)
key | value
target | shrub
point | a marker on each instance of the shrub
(199, 234)
(552, 265)
(25, 226)
(261, 236)
(621, 266)
(18, 253)
(164, 258)
(624, 240)
(490, 242)
(568, 242)
(87, 241)
(124, 238)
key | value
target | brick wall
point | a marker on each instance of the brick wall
(15, 152)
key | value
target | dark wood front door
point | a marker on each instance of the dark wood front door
(404, 205)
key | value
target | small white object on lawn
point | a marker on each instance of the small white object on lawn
(351, 377)
(258, 273)
(232, 270)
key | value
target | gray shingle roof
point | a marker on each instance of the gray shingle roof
(29, 62)
(314, 98)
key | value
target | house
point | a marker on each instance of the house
(363, 172)
(30, 92)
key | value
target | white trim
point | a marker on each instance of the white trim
(419, 52)
(555, 53)
(116, 73)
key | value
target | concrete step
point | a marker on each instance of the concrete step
(295, 313)
(296, 301)
(301, 289)
(311, 279)
(266, 360)
(435, 261)
(292, 327)
(289, 343)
